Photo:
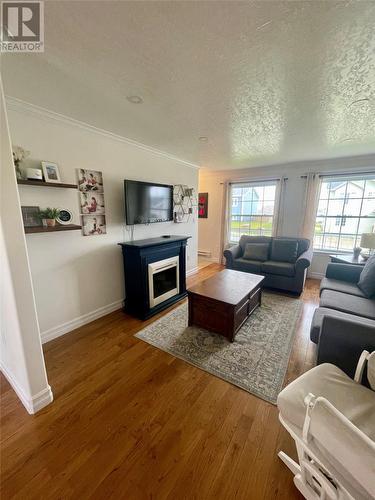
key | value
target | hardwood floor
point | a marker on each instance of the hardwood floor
(132, 422)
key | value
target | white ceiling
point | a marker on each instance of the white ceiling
(266, 82)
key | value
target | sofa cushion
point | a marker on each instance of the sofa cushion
(321, 312)
(256, 251)
(245, 239)
(284, 250)
(248, 266)
(340, 286)
(367, 278)
(351, 304)
(280, 268)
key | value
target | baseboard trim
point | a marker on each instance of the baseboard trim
(36, 402)
(192, 271)
(316, 276)
(58, 331)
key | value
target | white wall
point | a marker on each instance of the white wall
(211, 182)
(78, 278)
(22, 359)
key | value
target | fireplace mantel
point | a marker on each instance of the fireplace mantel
(139, 258)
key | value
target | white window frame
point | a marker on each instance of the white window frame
(344, 217)
(250, 184)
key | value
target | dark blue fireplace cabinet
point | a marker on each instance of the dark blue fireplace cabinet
(137, 255)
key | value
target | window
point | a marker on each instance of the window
(346, 210)
(252, 209)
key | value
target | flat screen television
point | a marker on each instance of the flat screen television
(147, 202)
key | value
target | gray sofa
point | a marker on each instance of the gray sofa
(289, 276)
(344, 324)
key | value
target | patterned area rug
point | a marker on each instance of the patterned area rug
(258, 358)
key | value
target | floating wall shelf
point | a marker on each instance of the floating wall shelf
(46, 184)
(58, 227)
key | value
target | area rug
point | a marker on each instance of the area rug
(258, 358)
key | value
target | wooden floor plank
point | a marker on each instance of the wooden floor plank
(131, 421)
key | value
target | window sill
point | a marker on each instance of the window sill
(332, 252)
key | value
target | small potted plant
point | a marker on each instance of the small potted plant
(49, 216)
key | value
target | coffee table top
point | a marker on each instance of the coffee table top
(228, 286)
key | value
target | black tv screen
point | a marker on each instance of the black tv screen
(146, 202)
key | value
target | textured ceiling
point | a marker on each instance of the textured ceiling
(266, 82)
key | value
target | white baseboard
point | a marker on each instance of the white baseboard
(67, 327)
(57, 331)
(316, 276)
(36, 402)
(192, 271)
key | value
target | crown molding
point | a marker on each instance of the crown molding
(19, 105)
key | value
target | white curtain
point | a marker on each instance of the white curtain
(311, 201)
(278, 216)
(225, 229)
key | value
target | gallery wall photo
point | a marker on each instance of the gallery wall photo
(91, 201)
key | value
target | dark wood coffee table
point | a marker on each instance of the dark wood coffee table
(224, 302)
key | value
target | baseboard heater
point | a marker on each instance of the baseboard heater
(204, 253)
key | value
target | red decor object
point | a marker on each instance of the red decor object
(203, 205)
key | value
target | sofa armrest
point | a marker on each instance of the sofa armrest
(344, 272)
(304, 260)
(342, 341)
(232, 253)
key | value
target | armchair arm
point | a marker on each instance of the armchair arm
(232, 253)
(304, 260)
(344, 272)
(342, 341)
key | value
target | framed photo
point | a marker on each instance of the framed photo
(93, 225)
(92, 202)
(30, 216)
(202, 205)
(51, 172)
(90, 180)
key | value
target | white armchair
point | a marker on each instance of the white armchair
(332, 420)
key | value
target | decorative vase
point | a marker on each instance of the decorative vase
(356, 252)
(49, 222)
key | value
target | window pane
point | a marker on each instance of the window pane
(366, 225)
(322, 207)
(330, 241)
(269, 193)
(370, 189)
(353, 207)
(335, 207)
(347, 242)
(368, 206)
(349, 225)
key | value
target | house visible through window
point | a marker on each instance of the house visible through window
(346, 210)
(252, 209)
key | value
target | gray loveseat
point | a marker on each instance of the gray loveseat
(289, 274)
(344, 324)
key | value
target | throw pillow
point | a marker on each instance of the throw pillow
(256, 251)
(367, 278)
(284, 250)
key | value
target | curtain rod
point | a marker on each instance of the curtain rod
(346, 174)
(257, 180)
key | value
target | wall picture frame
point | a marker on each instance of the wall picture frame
(30, 216)
(202, 205)
(51, 172)
(94, 225)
